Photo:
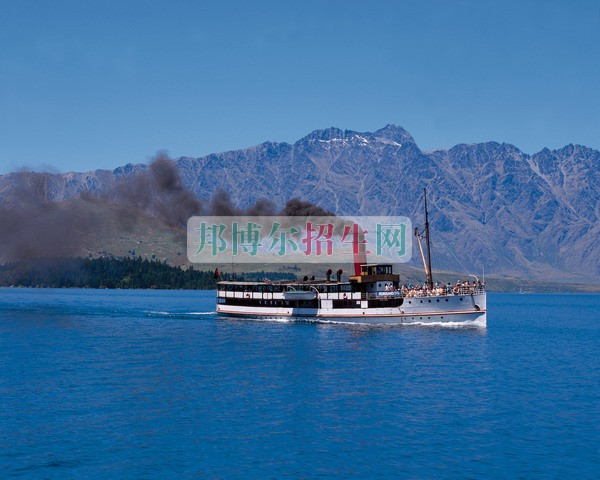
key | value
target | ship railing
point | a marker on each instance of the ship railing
(420, 293)
(444, 291)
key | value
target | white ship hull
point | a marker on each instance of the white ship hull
(470, 308)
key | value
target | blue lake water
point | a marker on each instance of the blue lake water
(152, 384)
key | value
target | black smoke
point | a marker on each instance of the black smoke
(158, 191)
(301, 208)
(32, 226)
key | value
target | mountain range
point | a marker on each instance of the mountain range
(491, 205)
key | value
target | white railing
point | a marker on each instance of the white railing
(421, 293)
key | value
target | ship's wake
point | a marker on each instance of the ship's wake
(473, 324)
(160, 313)
(479, 323)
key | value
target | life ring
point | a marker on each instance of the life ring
(455, 290)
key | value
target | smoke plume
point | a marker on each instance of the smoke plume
(301, 208)
(157, 192)
(33, 227)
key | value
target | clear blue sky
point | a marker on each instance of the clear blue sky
(97, 84)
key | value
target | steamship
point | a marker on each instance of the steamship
(373, 295)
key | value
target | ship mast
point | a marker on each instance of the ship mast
(419, 237)
(428, 269)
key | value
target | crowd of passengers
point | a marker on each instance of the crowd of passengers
(460, 288)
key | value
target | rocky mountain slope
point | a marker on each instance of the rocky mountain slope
(491, 205)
